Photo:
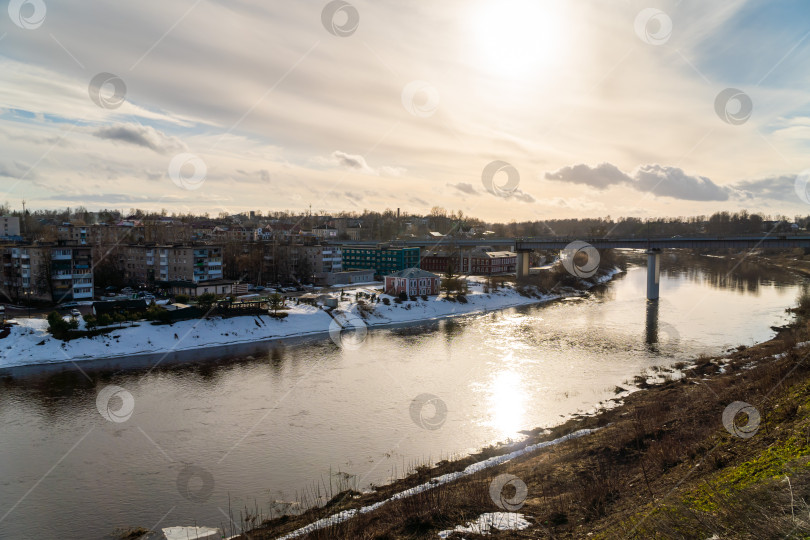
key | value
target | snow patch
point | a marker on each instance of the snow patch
(502, 521)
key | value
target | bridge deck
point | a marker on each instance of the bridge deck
(525, 244)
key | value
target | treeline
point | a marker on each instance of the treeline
(390, 224)
(719, 223)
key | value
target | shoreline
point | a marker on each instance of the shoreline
(348, 506)
(352, 506)
(308, 324)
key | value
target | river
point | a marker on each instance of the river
(275, 425)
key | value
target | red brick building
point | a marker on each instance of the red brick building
(412, 282)
(483, 261)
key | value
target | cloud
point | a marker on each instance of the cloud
(356, 162)
(780, 188)
(351, 161)
(522, 196)
(16, 170)
(393, 172)
(600, 177)
(465, 187)
(145, 136)
(673, 182)
(660, 180)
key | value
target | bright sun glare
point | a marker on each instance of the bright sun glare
(517, 38)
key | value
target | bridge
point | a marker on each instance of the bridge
(651, 245)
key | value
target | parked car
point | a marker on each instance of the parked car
(69, 305)
(258, 288)
(75, 313)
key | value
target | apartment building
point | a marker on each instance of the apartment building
(9, 226)
(385, 259)
(332, 259)
(302, 262)
(144, 264)
(129, 232)
(49, 272)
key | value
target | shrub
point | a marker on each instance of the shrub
(398, 300)
(104, 320)
(424, 297)
(386, 301)
(461, 298)
(403, 296)
(57, 326)
(181, 299)
(206, 300)
(413, 298)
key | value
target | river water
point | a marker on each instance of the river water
(273, 426)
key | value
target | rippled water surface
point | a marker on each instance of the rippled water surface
(263, 429)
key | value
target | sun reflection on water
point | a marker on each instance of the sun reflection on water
(506, 404)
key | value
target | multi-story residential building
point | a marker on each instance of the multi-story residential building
(385, 259)
(145, 264)
(294, 261)
(50, 272)
(325, 232)
(237, 233)
(207, 263)
(9, 226)
(158, 231)
(332, 259)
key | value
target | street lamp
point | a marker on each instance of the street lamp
(28, 301)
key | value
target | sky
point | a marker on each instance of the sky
(506, 110)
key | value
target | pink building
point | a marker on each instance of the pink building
(413, 282)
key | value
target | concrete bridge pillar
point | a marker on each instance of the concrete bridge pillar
(653, 273)
(522, 267)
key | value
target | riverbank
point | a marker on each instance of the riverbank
(30, 344)
(667, 462)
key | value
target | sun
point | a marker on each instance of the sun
(517, 38)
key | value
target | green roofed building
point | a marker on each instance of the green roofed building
(385, 259)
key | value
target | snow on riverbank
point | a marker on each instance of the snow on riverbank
(29, 342)
(479, 466)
